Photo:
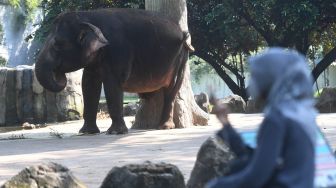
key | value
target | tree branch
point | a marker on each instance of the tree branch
(208, 57)
(233, 86)
(241, 10)
(324, 63)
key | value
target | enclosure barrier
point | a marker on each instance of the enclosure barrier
(23, 99)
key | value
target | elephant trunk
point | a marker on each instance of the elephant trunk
(50, 79)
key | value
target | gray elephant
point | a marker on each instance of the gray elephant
(125, 50)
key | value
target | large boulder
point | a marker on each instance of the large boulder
(235, 103)
(254, 106)
(131, 109)
(69, 102)
(146, 175)
(212, 161)
(327, 101)
(49, 175)
(202, 101)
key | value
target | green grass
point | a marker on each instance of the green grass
(131, 99)
(127, 99)
(318, 93)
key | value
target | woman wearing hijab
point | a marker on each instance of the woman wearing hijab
(285, 155)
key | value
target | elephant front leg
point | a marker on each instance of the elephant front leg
(91, 88)
(114, 99)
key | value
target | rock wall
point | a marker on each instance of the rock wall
(23, 99)
(326, 103)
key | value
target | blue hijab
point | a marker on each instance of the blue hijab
(283, 77)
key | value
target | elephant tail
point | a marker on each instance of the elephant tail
(187, 41)
(181, 61)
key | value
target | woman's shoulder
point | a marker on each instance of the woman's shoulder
(274, 117)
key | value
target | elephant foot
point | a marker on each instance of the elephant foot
(167, 125)
(92, 129)
(120, 129)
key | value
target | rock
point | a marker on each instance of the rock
(23, 99)
(235, 103)
(49, 175)
(146, 175)
(69, 102)
(11, 99)
(24, 93)
(39, 99)
(50, 107)
(212, 161)
(27, 125)
(254, 106)
(131, 109)
(3, 75)
(202, 101)
(327, 101)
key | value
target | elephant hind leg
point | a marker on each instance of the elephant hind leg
(167, 121)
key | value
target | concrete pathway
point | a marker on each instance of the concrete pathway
(91, 157)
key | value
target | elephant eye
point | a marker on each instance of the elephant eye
(81, 37)
(61, 44)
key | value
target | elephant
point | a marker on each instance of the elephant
(125, 50)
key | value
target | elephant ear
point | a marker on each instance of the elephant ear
(91, 39)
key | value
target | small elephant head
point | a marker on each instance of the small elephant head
(72, 44)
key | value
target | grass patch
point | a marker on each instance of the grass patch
(317, 94)
(127, 99)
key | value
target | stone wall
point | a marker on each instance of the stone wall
(23, 99)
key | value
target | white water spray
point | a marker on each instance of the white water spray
(13, 46)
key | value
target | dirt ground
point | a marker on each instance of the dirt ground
(91, 157)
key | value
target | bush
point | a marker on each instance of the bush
(3, 62)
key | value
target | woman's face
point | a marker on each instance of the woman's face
(255, 90)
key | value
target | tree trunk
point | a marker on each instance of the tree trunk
(324, 63)
(186, 111)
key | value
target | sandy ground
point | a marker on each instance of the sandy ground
(91, 157)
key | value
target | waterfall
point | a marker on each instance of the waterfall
(13, 46)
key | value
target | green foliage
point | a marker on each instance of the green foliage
(281, 23)
(3, 62)
(224, 32)
(217, 25)
(26, 7)
(317, 93)
(199, 68)
(31, 4)
(1, 34)
(325, 39)
(222, 39)
(14, 3)
(55, 7)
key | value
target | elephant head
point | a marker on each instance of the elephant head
(72, 44)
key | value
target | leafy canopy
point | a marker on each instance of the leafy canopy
(54, 7)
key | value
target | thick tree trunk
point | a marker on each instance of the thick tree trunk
(186, 111)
